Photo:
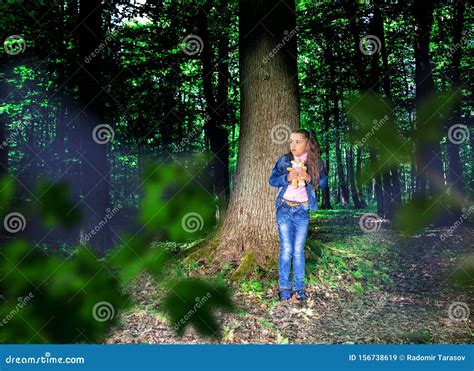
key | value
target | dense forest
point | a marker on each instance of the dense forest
(135, 129)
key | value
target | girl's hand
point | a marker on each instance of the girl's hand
(292, 175)
(305, 175)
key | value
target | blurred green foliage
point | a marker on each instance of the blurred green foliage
(191, 302)
(50, 299)
(55, 206)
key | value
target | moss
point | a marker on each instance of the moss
(246, 266)
(204, 250)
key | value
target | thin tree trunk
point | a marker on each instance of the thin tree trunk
(350, 177)
(340, 172)
(216, 108)
(359, 175)
(455, 176)
(326, 202)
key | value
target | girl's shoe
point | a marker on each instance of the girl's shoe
(285, 295)
(300, 294)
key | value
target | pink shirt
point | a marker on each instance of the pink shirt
(297, 194)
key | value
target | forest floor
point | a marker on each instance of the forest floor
(362, 287)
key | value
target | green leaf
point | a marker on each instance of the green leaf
(192, 301)
(55, 206)
(49, 300)
(135, 255)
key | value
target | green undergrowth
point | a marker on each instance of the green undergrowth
(339, 256)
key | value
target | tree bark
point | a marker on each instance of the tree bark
(350, 177)
(269, 97)
(455, 176)
(94, 164)
(217, 108)
(340, 171)
(428, 155)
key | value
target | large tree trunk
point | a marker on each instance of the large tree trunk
(269, 110)
(378, 30)
(95, 167)
(428, 156)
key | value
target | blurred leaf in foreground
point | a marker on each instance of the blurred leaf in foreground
(175, 203)
(192, 302)
(55, 205)
(51, 300)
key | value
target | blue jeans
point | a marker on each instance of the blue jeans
(293, 223)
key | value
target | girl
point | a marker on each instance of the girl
(293, 205)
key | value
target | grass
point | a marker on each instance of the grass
(339, 256)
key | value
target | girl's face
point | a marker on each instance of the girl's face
(298, 144)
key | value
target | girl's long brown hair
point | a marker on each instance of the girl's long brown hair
(314, 163)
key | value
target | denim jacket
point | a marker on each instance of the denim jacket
(279, 178)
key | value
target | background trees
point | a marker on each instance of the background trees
(167, 80)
